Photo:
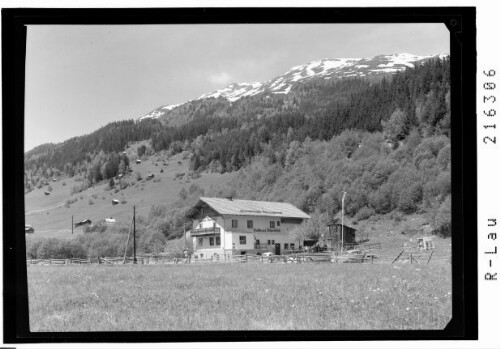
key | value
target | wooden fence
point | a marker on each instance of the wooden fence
(405, 256)
(101, 260)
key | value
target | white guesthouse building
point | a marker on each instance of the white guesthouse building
(231, 226)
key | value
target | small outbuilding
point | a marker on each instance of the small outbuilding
(28, 229)
(84, 222)
(333, 238)
(115, 202)
(138, 161)
(46, 192)
(110, 220)
(150, 176)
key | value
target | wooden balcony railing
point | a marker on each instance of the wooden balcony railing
(205, 231)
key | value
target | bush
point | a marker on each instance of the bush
(49, 248)
(68, 202)
(91, 202)
(99, 227)
(79, 188)
(32, 245)
(441, 218)
(157, 211)
(437, 189)
(364, 213)
(381, 199)
(410, 198)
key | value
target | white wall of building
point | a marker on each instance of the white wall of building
(261, 229)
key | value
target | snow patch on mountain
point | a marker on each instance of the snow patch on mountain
(326, 68)
(158, 112)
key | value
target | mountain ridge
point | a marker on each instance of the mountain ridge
(326, 68)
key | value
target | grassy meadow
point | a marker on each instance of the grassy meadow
(51, 218)
(239, 297)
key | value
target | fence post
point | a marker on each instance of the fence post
(372, 258)
(397, 257)
(430, 257)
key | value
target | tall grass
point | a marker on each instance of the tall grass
(239, 297)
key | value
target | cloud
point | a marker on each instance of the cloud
(220, 78)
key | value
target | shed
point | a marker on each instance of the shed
(150, 176)
(138, 161)
(110, 220)
(333, 237)
(426, 243)
(84, 222)
(115, 202)
(29, 229)
(47, 192)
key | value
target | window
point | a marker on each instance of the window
(243, 240)
(272, 224)
(269, 242)
(272, 242)
(257, 242)
(201, 255)
(211, 241)
(286, 246)
(292, 246)
(250, 224)
(200, 241)
(217, 240)
(234, 223)
(278, 223)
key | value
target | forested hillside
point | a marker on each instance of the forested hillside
(352, 129)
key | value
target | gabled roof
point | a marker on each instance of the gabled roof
(236, 207)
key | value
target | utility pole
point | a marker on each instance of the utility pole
(71, 224)
(342, 243)
(135, 260)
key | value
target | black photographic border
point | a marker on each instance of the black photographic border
(460, 21)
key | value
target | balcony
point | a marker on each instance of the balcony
(205, 231)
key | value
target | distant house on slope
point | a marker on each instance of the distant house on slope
(28, 229)
(84, 222)
(231, 226)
